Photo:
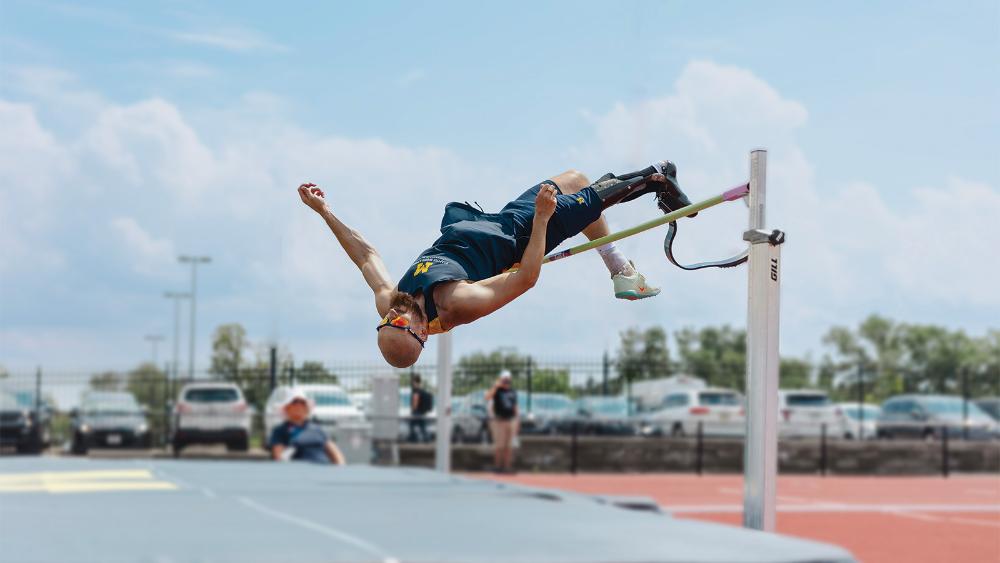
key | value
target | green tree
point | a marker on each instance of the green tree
(549, 380)
(151, 387)
(314, 372)
(642, 354)
(715, 354)
(229, 345)
(107, 381)
(479, 370)
(794, 373)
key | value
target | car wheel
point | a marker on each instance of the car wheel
(32, 446)
(78, 446)
(457, 436)
(240, 444)
(848, 436)
(929, 435)
(677, 431)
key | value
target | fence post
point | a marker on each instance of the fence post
(527, 374)
(573, 448)
(822, 449)
(274, 367)
(606, 369)
(699, 452)
(965, 403)
(38, 390)
(944, 452)
(861, 403)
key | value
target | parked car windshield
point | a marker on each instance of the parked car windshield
(212, 395)
(991, 407)
(545, 402)
(716, 398)
(18, 400)
(9, 401)
(610, 406)
(953, 408)
(807, 400)
(854, 413)
(329, 398)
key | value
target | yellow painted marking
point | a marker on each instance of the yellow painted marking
(85, 487)
(82, 481)
(76, 475)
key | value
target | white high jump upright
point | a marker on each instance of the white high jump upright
(442, 427)
(761, 447)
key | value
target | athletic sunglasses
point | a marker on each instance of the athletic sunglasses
(401, 323)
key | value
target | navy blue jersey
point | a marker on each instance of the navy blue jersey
(475, 245)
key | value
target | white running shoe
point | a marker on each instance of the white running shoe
(631, 285)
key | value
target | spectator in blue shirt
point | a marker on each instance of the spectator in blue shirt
(300, 439)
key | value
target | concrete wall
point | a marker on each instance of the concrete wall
(843, 457)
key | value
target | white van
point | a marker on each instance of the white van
(803, 412)
(720, 412)
(211, 412)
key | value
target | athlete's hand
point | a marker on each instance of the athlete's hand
(313, 197)
(545, 203)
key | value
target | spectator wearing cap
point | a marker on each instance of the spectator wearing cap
(300, 439)
(502, 402)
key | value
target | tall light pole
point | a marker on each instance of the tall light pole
(155, 340)
(176, 296)
(194, 261)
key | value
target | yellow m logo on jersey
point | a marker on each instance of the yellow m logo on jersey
(421, 268)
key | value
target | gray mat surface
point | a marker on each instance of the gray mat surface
(59, 509)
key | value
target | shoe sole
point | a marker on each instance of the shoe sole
(634, 295)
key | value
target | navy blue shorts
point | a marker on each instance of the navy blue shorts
(573, 213)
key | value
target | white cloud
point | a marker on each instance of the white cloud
(149, 255)
(188, 69)
(221, 184)
(232, 39)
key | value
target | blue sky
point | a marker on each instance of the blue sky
(132, 134)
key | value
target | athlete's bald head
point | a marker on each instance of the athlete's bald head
(401, 348)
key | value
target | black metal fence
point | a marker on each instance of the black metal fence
(572, 404)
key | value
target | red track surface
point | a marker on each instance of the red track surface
(880, 519)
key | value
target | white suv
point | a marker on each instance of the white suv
(331, 407)
(720, 412)
(803, 412)
(211, 413)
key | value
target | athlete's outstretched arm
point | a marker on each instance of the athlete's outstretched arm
(475, 300)
(358, 249)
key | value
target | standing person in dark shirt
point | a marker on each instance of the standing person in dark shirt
(421, 403)
(502, 402)
(299, 438)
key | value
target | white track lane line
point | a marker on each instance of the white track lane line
(837, 507)
(916, 516)
(326, 531)
(970, 521)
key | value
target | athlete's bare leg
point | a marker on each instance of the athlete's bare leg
(629, 284)
(572, 181)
